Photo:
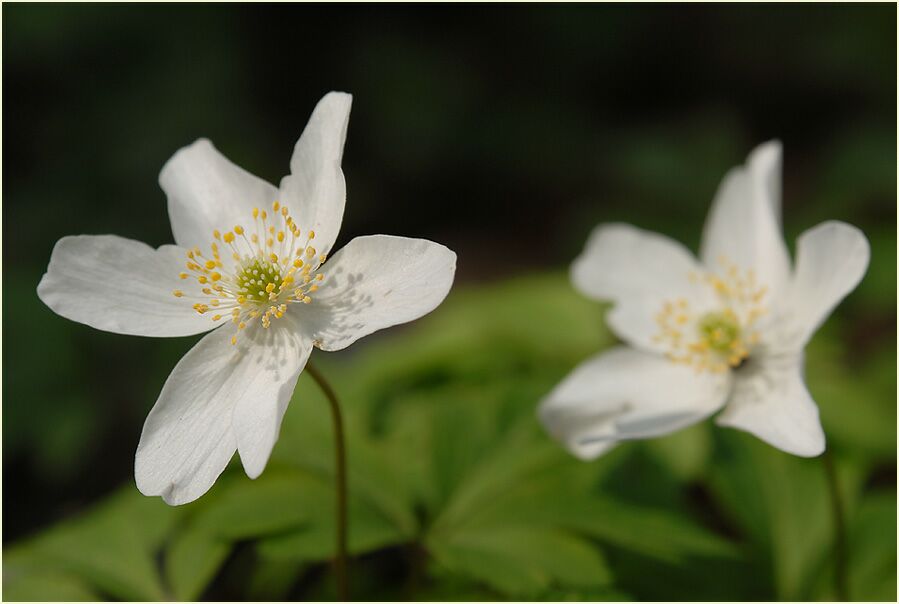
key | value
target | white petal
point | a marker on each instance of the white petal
(622, 262)
(626, 394)
(315, 190)
(375, 282)
(640, 271)
(282, 355)
(765, 164)
(743, 226)
(831, 259)
(206, 191)
(120, 285)
(191, 433)
(773, 404)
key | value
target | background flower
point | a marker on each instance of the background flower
(724, 330)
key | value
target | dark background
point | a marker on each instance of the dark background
(504, 132)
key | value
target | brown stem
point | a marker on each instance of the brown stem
(340, 559)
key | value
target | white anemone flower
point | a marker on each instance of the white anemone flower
(249, 264)
(726, 330)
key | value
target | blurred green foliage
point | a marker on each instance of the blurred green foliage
(457, 494)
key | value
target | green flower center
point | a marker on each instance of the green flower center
(720, 331)
(258, 278)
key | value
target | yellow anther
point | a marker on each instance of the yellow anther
(215, 276)
(313, 288)
(229, 237)
(210, 264)
(306, 299)
(202, 279)
(215, 302)
(200, 308)
(216, 234)
(280, 235)
(241, 325)
(298, 263)
(311, 234)
(275, 206)
(269, 288)
(310, 251)
(307, 278)
(273, 257)
(254, 238)
(269, 242)
(177, 293)
(182, 275)
(207, 291)
(216, 317)
(284, 211)
(322, 258)
(319, 276)
(238, 229)
(233, 340)
(255, 212)
(241, 299)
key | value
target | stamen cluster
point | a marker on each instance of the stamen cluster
(270, 268)
(718, 340)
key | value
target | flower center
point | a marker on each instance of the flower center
(270, 268)
(720, 331)
(714, 340)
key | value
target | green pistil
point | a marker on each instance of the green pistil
(255, 275)
(720, 331)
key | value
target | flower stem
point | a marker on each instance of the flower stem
(841, 555)
(340, 559)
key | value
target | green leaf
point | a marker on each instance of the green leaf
(192, 560)
(782, 503)
(686, 453)
(315, 539)
(243, 509)
(111, 548)
(44, 586)
(522, 560)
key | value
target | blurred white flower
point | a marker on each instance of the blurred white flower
(249, 264)
(726, 331)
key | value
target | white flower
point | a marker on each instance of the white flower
(726, 330)
(249, 264)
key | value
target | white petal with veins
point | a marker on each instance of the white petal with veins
(119, 285)
(206, 191)
(315, 187)
(375, 282)
(218, 398)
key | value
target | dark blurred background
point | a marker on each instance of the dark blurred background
(505, 133)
